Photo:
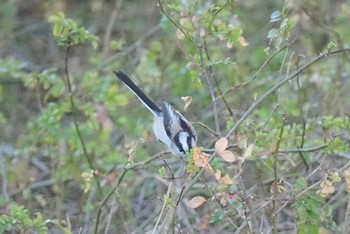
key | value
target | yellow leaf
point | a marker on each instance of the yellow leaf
(248, 152)
(226, 180)
(196, 202)
(187, 100)
(242, 41)
(227, 156)
(221, 145)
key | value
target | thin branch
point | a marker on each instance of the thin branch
(204, 72)
(219, 206)
(298, 150)
(163, 208)
(270, 58)
(75, 121)
(126, 169)
(257, 102)
(346, 224)
(176, 24)
(108, 32)
(206, 128)
(269, 117)
(232, 89)
(281, 83)
(275, 183)
(106, 199)
(132, 47)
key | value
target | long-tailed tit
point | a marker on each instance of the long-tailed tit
(170, 127)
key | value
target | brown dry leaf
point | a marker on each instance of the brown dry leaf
(347, 180)
(180, 35)
(242, 41)
(223, 200)
(221, 145)
(327, 188)
(187, 100)
(227, 156)
(200, 159)
(226, 180)
(196, 202)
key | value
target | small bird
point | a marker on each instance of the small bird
(169, 126)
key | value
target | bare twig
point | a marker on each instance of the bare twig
(205, 73)
(108, 32)
(132, 47)
(281, 83)
(163, 208)
(219, 206)
(126, 169)
(206, 128)
(269, 117)
(346, 224)
(297, 150)
(258, 101)
(275, 183)
(75, 120)
(270, 58)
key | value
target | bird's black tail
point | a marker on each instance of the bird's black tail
(138, 92)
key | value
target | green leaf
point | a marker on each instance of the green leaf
(331, 45)
(300, 183)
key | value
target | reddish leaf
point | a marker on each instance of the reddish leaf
(227, 156)
(221, 145)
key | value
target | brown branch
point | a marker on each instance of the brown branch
(75, 120)
(281, 83)
(275, 183)
(126, 169)
(258, 101)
